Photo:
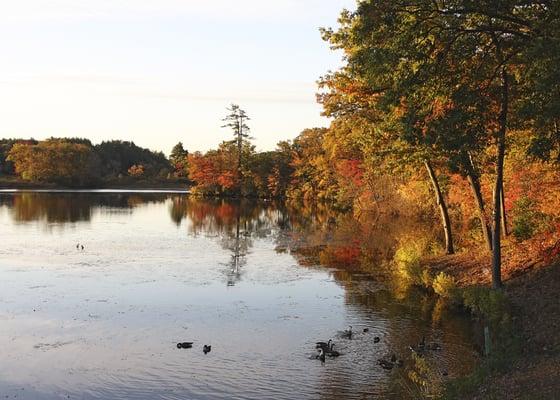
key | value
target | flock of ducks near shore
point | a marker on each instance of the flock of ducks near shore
(326, 349)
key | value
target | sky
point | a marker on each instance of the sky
(157, 72)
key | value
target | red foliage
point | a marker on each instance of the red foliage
(352, 170)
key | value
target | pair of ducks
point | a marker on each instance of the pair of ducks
(78, 246)
(391, 363)
(423, 346)
(187, 345)
(348, 333)
(326, 348)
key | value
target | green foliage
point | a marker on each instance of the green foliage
(486, 303)
(527, 219)
(118, 156)
(493, 307)
(179, 160)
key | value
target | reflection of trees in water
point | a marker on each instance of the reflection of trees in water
(239, 247)
(235, 223)
(71, 207)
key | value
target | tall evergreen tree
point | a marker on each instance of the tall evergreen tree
(236, 120)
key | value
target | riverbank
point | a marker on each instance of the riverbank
(532, 284)
(122, 183)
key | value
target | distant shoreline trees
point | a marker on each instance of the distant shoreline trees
(76, 162)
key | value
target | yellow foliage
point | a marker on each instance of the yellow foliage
(445, 286)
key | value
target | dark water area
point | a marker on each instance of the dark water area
(259, 282)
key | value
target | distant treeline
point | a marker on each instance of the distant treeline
(77, 162)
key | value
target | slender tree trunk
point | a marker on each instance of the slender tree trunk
(239, 155)
(473, 177)
(500, 154)
(505, 230)
(474, 183)
(442, 208)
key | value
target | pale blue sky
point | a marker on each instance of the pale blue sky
(162, 71)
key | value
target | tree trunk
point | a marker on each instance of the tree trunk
(239, 155)
(477, 193)
(505, 230)
(500, 154)
(474, 182)
(442, 208)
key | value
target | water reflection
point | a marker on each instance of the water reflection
(260, 281)
(70, 207)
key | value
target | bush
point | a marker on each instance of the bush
(486, 303)
(527, 219)
(407, 260)
(445, 286)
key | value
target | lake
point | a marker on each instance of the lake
(259, 282)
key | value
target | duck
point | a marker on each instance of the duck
(433, 346)
(347, 333)
(324, 345)
(366, 330)
(385, 364)
(332, 352)
(376, 339)
(420, 347)
(321, 355)
(184, 345)
(82, 246)
(206, 348)
(78, 246)
(396, 361)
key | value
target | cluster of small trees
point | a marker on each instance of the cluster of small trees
(235, 168)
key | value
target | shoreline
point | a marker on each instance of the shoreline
(100, 191)
(18, 186)
(527, 367)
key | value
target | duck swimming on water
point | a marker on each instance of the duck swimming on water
(332, 352)
(324, 345)
(347, 333)
(321, 355)
(206, 348)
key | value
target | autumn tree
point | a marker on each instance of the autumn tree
(313, 177)
(448, 69)
(55, 161)
(366, 92)
(179, 159)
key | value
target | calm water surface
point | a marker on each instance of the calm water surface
(156, 269)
